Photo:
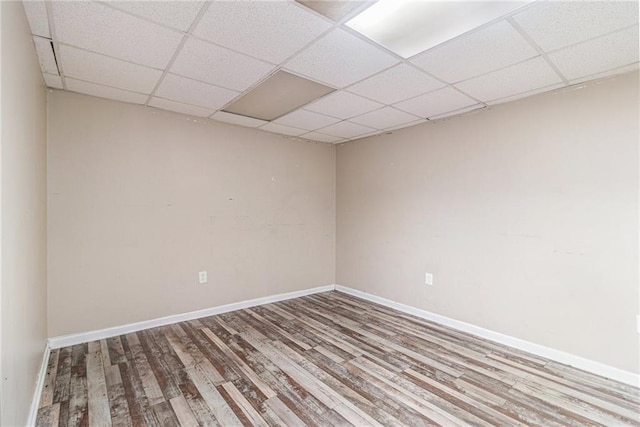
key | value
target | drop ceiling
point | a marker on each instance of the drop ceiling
(199, 57)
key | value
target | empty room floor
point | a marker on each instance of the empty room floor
(325, 359)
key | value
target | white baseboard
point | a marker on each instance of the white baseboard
(537, 349)
(35, 402)
(73, 339)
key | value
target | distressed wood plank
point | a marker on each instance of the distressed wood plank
(48, 388)
(250, 412)
(98, 399)
(185, 416)
(48, 415)
(327, 359)
(216, 403)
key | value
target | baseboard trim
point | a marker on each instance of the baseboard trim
(537, 349)
(79, 338)
(35, 402)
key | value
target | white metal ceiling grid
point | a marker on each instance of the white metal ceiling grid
(196, 57)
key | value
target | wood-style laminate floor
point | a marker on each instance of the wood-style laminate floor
(328, 360)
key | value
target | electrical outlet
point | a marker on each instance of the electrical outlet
(428, 279)
(638, 322)
(202, 277)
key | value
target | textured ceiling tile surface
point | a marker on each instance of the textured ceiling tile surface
(343, 105)
(526, 94)
(406, 125)
(315, 136)
(45, 55)
(83, 65)
(556, 24)
(219, 66)
(308, 120)
(340, 59)
(523, 77)
(53, 80)
(434, 103)
(193, 92)
(236, 119)
(179, 107)
(104, 30)
(105, 92)
(346, 130)
(396, 84)
(269, 30)
(282, 129)
(335, 9)
(598, 55)
(175, 14)
(478, 53)
(456, 112)
(384, 118)
(36, 12)
(610, 73)
(120, 50)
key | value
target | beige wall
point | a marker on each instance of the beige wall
(140, 200)
(527, 215)
(23, 225)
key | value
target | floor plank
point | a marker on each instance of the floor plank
(327, 359)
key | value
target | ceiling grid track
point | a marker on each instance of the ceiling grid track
(204, 57)
(185, 37)
(542, 53)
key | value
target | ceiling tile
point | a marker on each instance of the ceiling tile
(406, 125)
(556, 24)
(616, 71)
(437, 102)
(340, 59)
(105, 92)
(335, 9)
(101, 29)
(83, 65)
(217, 65)
(269, 30)
(523, 77)
(36, 12)
(193, 92)
(457, 112)
(526, 94)
(396, 84)
(598, 55)
(343, 105)
(236, 119)
(480, 52)
(175, 14)
(367, 135)
(45, 55)
(53, 80)
(315, 136)
(308, 120)
(179, 107)
(384, 118)
(346, 130)
(282, 129)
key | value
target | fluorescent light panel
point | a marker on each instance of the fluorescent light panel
(408, 27)
(276, 96)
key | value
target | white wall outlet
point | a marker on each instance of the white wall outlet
(202, 277)
(638, 322)
(428, 279)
